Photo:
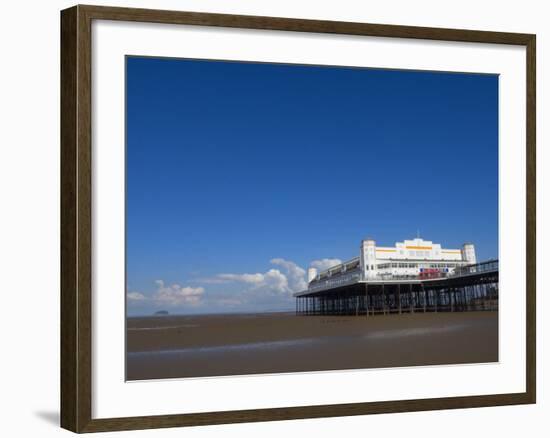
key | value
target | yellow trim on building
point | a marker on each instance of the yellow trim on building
(452, 252)
(418, 247)
(386, 250)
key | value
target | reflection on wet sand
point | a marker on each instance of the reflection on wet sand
(216, 345)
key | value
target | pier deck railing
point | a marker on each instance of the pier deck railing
(356, 276)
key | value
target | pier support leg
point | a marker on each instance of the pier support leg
(424, 297)
(452, 298)
(367, 299)
(399, 296)
(411, 305)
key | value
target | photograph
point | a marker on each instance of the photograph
(296, 218)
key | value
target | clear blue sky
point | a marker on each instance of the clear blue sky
(230, 165)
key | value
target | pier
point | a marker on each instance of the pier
(349, 292)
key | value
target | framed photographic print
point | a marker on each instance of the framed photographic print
(271, 218)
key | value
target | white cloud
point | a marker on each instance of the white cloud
(293, 279)
(324, 264)
(136, 296)
(296, 275)
(176, 295)
(244, 278)
(270, 281)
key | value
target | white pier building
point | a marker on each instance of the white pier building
(413, 276)
(410, 259)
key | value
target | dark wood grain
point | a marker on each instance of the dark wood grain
(69, 327)
(531, 213)
(338, 410)
(300, 25)
(76, 222)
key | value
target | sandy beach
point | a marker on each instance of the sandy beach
(216, 345)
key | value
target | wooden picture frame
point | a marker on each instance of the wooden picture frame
(76, 218)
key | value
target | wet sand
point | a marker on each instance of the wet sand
(218, 345)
